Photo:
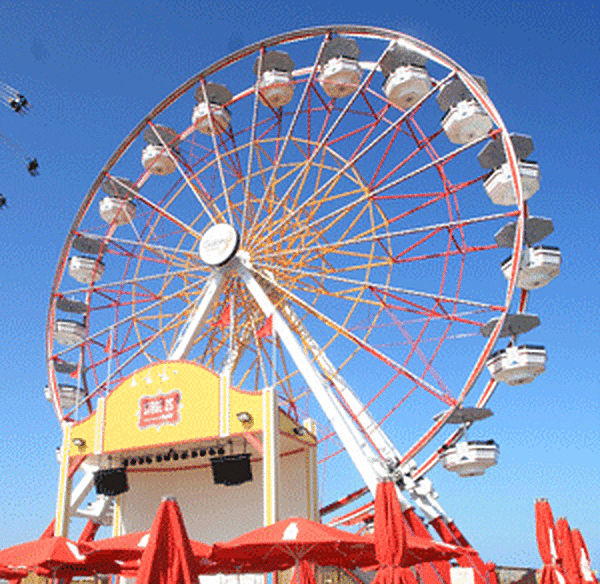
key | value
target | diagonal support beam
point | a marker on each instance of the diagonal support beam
(83, 488)
(370, 426)
(366, 461)
(421, 491)
(204, 305)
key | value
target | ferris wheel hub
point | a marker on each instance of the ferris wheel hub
(219, 244)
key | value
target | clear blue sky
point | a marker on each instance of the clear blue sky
(93, 70)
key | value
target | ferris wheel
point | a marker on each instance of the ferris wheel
(327, 212)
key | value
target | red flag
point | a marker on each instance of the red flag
(108, 346)
(75, 374)
(266, 330)
(225, 317)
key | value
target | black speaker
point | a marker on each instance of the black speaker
(111, 482)
(231, 470)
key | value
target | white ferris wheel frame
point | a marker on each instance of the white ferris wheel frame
(351, 429)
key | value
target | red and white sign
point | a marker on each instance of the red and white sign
(159, 410)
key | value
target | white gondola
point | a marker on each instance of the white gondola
(68, 332)
(499, 185)
(340, 76)
(221, 118)
(470, 459)
(276, 88)
(466, 121)
(158, 160)
(69, 395)
(517, 365)
(539, 265)
(274, 72)
(117, 210)
(407, 85)
(86, 269)
(210, 112)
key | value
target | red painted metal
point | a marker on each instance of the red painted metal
(89, 532)
(450, 533)
(430, 573)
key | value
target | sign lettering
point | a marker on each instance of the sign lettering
(159, 410)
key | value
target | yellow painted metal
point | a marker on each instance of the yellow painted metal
(63, 500)
(224, 405)
(270, 457)
(114, 426)
(99, 426)
(294, 222)
(312, 487)
(117, 516)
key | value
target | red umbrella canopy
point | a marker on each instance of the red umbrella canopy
(168, 557)
(567, 551)
(420, 549)
(544, 530)
(304, 574)
(47, 553)
(583, 558)
(294, 539)
(394, 544)
(125, 548)
(390, 537)
(122, 548)
(12, 575)
(390, 529)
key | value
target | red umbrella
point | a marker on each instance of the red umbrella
(168, 557)
(12, 575)
(121, 548)
(128, 549)
(132, 545)
(390, 536)
(583, 557)
(544, 531)
(396, 548)
(567, 552)
(46, 554)
(283, 544)
(303, 574)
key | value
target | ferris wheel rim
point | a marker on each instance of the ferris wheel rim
(379, 33)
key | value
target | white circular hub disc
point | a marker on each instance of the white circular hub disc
(219, 244)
